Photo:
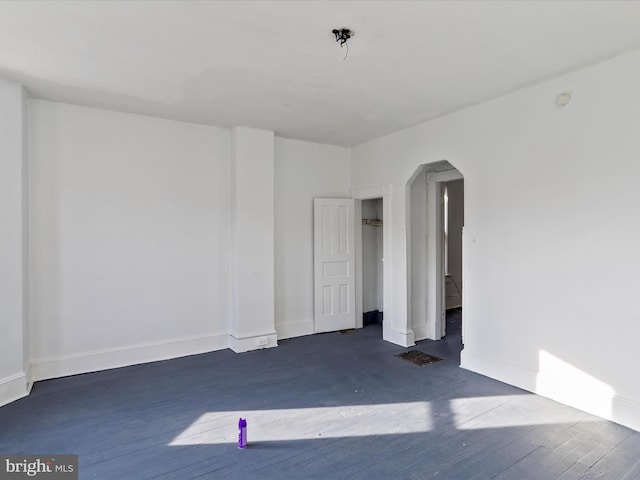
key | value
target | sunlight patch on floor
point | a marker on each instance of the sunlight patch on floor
(309, 423)
(510, 411)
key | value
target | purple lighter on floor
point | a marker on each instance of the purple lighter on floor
(242, 433)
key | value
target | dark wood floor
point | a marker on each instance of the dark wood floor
(323, 406)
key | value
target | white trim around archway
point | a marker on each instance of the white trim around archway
(435, 259)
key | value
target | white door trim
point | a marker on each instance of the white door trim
(384, 192)
(435, 260)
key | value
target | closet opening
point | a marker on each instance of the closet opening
(372, 261)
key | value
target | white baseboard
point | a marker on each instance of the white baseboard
(29, 378)
(291, 330)
(45, 368)
(511, 373)
(609, 406)
(626, 412)
(14, 387)
(419, 331)
(253, 341)
(404, 339)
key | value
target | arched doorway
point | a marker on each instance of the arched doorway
(434, 246)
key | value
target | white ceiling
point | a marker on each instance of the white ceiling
(276, 65)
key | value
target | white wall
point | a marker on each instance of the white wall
(252, 239)
(134, 223)
(129, 238)
(417, 288)
(303, 171)
(551, 232)
(14, 374)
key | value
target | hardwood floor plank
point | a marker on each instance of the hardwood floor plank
(323, 406)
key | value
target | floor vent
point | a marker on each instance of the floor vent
(418, 357)
(348, 330)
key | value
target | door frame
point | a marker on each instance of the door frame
(436, 302)
(384, 192)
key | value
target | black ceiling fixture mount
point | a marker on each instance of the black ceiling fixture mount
(342, 35)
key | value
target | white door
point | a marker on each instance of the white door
(333, 264)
